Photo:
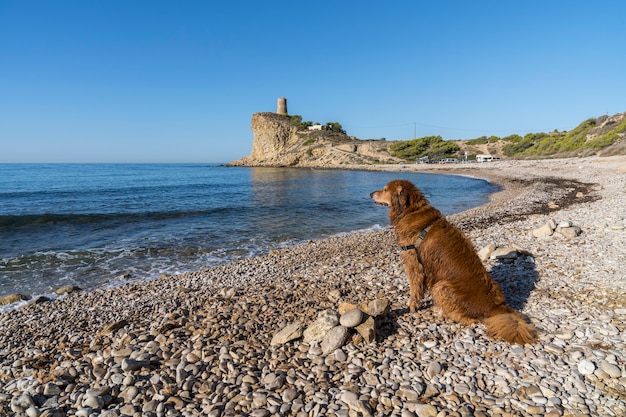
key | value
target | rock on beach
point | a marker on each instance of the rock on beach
(154, 349)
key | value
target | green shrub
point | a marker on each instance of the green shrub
(432, 146)
(603, 141)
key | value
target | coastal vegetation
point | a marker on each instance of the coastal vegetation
(555, 143)
(433, 147)
(589, 137)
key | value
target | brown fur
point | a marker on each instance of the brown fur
(447, 265)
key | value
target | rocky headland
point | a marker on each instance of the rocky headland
(208, 343)
(276, 142)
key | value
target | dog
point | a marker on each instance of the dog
(440, 259)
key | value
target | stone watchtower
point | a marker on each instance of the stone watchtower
(281, 108)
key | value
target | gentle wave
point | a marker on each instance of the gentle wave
(52, 218)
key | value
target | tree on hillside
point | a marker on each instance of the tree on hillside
(335, 127)
(432, 146)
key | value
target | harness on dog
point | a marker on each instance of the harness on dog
(420, 238)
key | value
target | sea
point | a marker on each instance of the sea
(101, 225)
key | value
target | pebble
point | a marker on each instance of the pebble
(201, 343)
(586, 367)
(612, 370)
(434, 368)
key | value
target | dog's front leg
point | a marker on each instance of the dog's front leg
(415, 273)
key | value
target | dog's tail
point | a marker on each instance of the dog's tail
(510, 326)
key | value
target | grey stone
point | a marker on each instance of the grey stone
(543, 231)
(352, 318)
(434, 368)
(334, 339)
(610, 369)
(326, 320)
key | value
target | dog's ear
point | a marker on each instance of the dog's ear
(404, 196)
(400, 199)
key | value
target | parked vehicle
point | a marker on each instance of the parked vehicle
(486, 158)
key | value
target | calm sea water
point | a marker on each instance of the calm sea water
(87, 224)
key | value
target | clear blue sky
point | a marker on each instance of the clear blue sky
(178, 81)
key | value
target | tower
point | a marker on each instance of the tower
(281, 108)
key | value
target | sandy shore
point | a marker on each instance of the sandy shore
(199, 343)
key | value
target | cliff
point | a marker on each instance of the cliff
(277, 143)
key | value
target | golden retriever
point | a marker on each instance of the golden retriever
(439, 258)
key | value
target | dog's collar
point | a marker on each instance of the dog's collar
(419, 240)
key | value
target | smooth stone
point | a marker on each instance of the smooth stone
(352, 318)
(33, 412)
(130, 365)
(434, 368)
(273, 381)
(129, 393)
(610, 369)
(289, 395)
(422, 410)
(543, 231)
(461, 389)
(334, 339)
(586, 367)
(93, 401)
(408, 394)
(340, 355)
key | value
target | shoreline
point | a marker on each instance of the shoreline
(200, 342)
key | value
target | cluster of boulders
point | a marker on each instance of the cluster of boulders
(504, 254)
(334, 328)
(565, 228)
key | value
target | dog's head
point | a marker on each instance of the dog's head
(399, 196)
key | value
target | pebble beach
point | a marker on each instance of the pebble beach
(200, 344)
